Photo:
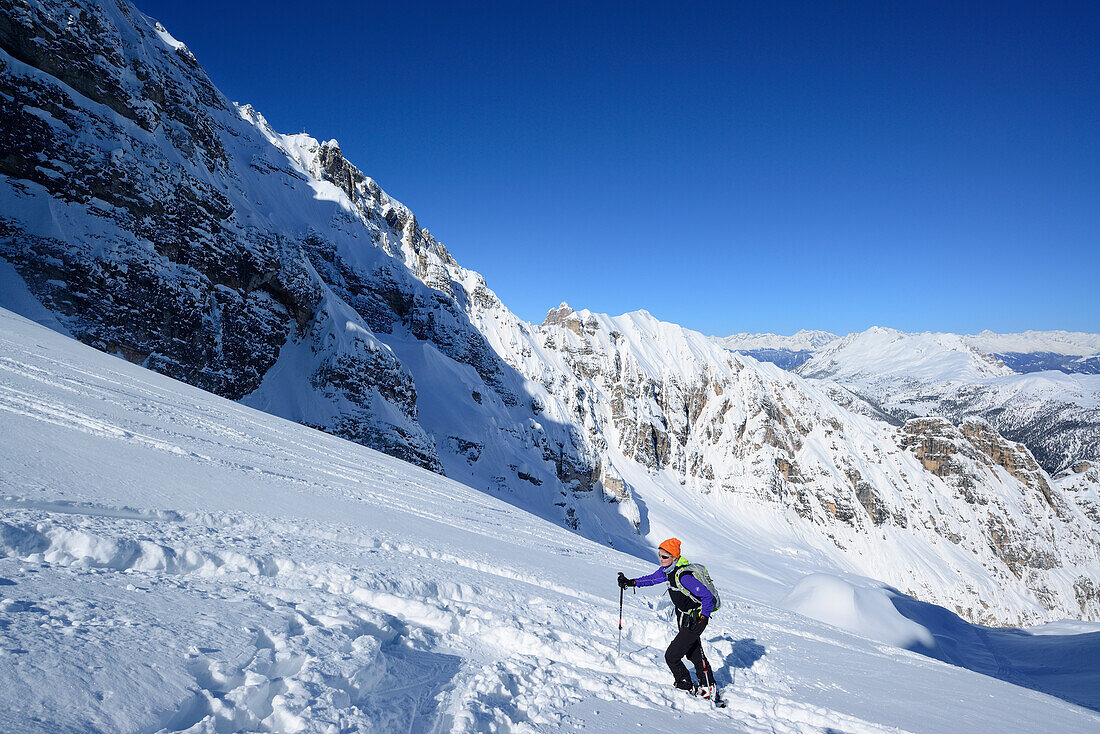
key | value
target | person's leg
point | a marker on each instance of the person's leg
(702, 665)
(674, 657)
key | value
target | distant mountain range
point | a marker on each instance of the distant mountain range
(1030, 351)
(1040, 388)
(148, 216)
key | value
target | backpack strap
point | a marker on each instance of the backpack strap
(682, 567)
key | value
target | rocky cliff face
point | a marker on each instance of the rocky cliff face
(162, 223)
(144, 211)
(123, 140)
(1082, 485)
(964, 456)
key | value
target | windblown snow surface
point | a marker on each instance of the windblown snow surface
(173, 561)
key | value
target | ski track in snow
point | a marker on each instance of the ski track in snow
(174, 562)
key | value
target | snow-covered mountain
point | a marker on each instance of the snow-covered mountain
(158, 221)
(678, 412)
(923, 357)
(786, 351)
(146, 215)
(1037, 351)
(1037, 387)
(171, 561)
(1055, 414)
(801, 341)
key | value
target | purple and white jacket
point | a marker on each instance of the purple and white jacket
(689, 582)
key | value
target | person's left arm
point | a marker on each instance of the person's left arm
(700, 592)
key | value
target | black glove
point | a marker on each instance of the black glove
(693, 621)
(625, 582)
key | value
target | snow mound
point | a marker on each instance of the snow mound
(859, 605)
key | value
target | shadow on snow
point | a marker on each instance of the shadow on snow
(741, 654)
(1065, 666)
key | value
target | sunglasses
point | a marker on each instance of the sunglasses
(663, 555)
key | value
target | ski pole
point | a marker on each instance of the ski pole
(619, 646)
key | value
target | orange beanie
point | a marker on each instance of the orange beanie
(672, 546)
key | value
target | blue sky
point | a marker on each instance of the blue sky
(753, 167)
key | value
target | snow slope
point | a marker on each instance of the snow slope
(173, 561)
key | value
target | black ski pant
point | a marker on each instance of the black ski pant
(686, 644)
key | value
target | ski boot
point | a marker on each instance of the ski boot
(710, 693)
(685, 685)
